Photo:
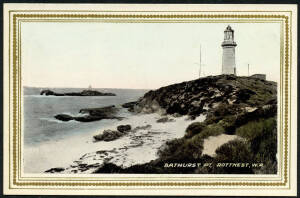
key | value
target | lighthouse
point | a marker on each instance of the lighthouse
(228, 45)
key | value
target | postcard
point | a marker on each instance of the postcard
(150, 99)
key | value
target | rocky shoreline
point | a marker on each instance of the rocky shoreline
(242, 108)
(133, 140)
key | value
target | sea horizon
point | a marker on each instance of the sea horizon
(25, 86)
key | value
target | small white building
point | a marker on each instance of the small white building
(259, 76)
(228, 45)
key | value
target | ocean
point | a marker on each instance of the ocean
(50, 143)
(41, 128)
(39, 111)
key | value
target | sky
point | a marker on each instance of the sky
(140, 55)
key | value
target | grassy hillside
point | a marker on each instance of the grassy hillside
(241, 106)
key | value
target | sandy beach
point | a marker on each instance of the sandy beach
(136, 147)
(213, 142)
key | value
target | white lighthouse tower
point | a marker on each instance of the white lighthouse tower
(228, 62)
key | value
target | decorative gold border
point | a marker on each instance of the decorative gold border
(16, 89)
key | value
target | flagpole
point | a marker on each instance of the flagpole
(248, 69)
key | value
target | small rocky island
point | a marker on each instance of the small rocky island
(48, 92)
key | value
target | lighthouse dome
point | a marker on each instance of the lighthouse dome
(229, 28)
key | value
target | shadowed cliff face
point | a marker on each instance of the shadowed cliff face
(241, 106)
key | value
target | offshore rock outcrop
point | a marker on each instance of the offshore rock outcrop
(92, 114)
(48, 92)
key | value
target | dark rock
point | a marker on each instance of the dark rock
(95, 165)
(272, 101)
(64, 117)
(54, 170)
(177, 115)
(102, 111)
(231, 77)
(244, 94)
(164, 120)
(193, 129)
(93, 114)
(108, 135)
(48, 92)
(89, 118)
(95, 93)
(148, 126)
(124, 128)
(109, 168)
(129, 105)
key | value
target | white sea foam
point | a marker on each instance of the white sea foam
(52, 120)
(74, 114)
